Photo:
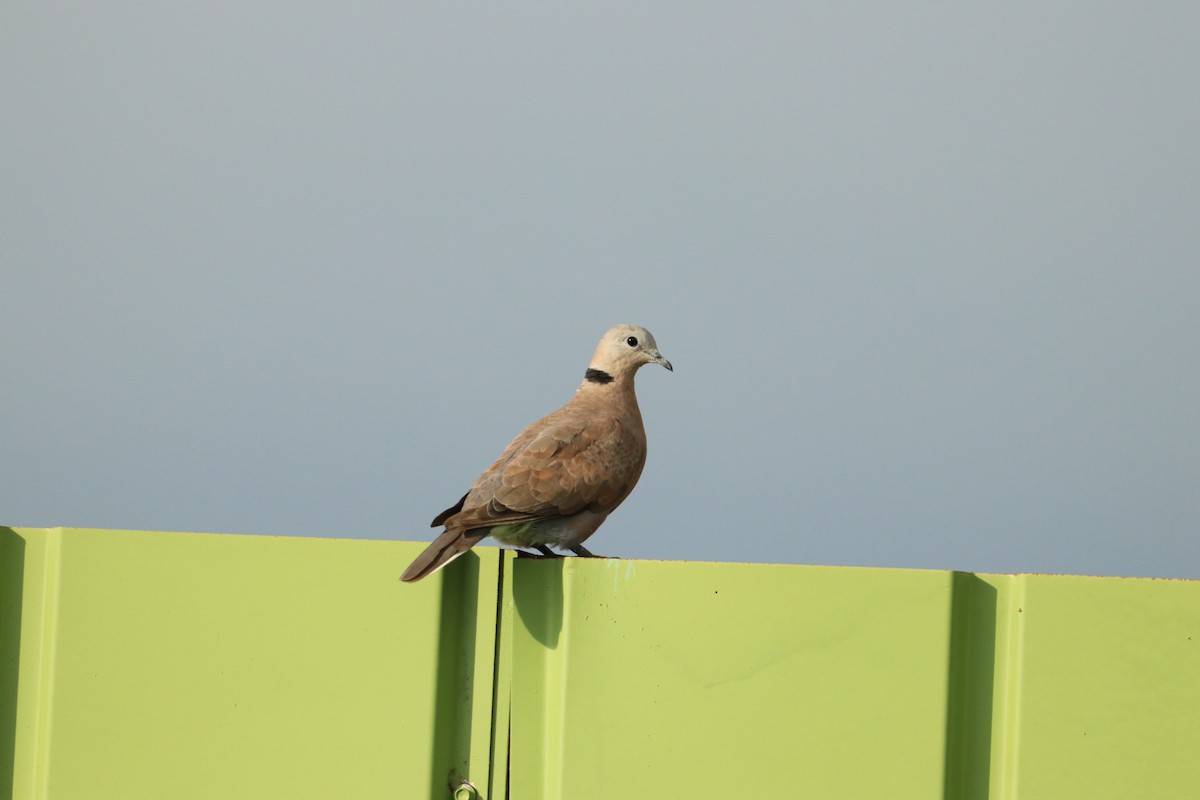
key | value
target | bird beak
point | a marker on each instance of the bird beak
(657, 358)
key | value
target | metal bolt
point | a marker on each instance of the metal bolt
(465, 790)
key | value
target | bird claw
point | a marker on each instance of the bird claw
(543, 552)
(546, 552)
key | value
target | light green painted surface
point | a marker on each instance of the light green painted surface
(164, 665)
(1075, 687)
(729, 680)
(657, 679)
(1107, 700)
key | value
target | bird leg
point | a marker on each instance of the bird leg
(583, 552)
(542, 552)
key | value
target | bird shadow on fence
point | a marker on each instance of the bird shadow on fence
(537, 589)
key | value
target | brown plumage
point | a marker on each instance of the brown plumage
(563, 475)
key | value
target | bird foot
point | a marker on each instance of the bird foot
(543, 552)
(583, 552)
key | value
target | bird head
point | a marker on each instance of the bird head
(624, 348)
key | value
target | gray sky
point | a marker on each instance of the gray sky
(928, 275)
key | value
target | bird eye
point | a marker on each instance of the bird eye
(631, 341)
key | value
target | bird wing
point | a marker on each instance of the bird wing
(567, 462)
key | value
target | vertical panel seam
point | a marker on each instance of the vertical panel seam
(47, 656)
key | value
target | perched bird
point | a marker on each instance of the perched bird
(563, 475)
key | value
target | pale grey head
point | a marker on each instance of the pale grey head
(624, 348)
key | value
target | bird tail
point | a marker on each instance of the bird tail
(450, 545)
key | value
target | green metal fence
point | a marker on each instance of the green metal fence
(169, 665)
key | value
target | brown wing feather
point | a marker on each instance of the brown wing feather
(559, 466)
(449, 512)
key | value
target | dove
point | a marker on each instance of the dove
(557, 482)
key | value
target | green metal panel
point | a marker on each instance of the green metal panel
(1106, 703)
(154, 665)
(657, 679)
(157, 665)
(1075, 687)
(649, 679)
